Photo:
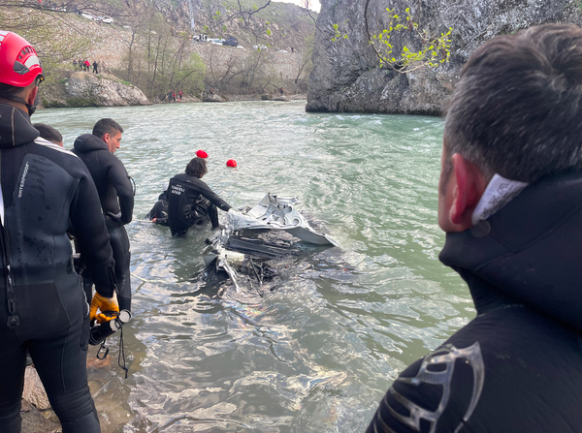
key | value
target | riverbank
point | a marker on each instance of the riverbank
(237, 98)
(77, 89)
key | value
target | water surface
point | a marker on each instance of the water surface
(319, 352)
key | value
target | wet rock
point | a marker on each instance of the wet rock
(347, 75)
(34, 422)
(34, 392)
(212, 98)
(281, 99)
(266, 97)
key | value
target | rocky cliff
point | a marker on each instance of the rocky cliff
(347, 76)
(83, 89)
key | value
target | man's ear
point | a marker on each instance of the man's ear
(470, 185)
(32, 95)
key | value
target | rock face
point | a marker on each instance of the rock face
(347, 76)
(212, 98)
(83, 89)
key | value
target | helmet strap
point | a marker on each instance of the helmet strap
(31, 107)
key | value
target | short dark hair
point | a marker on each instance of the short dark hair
(197, 167)
(7, 91)
(48, 133)
(517, 109)
(106, 126)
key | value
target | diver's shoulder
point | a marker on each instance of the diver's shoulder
(60, 156)
(47, 145)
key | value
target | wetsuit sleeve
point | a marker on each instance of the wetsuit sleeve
(428, 396)
(187, 203)
(92, 236)
(119, 178)
(212, 197)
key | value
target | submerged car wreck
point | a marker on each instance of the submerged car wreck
(260, 243)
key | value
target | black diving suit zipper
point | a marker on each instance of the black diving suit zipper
(13, 319)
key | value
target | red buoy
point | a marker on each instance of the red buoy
(201, 154)
(231, 163)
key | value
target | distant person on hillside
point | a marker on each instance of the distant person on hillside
(74, 63)
(48, 134)
(174, 96)
(190, 201)
(212, 91)
(282, 91)
(87, 65)
(95, 65)
(180, 94)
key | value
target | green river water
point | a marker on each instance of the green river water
(320, 351)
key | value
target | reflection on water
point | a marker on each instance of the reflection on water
(317, 353)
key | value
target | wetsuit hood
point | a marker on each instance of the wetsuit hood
(89, 142)
(15, 127)
(527, 253)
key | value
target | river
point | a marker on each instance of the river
(319, 352)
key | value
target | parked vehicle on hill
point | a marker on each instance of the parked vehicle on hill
(231, 41)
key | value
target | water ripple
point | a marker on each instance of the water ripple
(317, 353)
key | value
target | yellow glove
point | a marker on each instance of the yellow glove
(104, 305)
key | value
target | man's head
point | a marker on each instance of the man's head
(49, 133)
(109, 131)
(20, 72)
(197, 168)
(516, 112)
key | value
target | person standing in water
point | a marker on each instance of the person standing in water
(116, 193)
(190, 201)
(43, 190)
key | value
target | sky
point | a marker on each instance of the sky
(314, 4)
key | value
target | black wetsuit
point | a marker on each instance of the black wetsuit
(43, 309)
(116, 195)
(517, 367)
(159, 213)
(191, 202)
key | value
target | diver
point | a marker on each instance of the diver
(43, 187)
(116, 194)
(48, 134)
(191, 202)
(159, 213)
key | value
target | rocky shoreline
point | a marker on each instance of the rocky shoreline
(84, 89)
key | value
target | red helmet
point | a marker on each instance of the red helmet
(19, 64)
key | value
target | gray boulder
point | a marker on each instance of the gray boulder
(212, 98)
(84, 90)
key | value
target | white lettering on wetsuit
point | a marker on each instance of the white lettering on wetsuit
(24, 173)
(178, 190)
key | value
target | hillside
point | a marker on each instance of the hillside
(148, 44)
(289, 24)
